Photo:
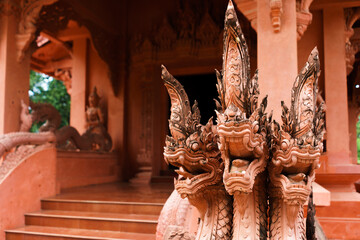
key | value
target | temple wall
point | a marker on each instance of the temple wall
(98, 76)
(21, 191)
(76, 169)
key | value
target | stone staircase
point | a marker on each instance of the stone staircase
(92, 216)
(341, 220)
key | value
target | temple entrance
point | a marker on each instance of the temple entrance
(202, 88)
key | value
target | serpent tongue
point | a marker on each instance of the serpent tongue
(239, 165)
(184, 173)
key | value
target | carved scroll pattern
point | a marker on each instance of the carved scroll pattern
(234, 84)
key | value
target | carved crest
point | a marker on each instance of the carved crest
(236, 64)
(183, 120)
(304, 121)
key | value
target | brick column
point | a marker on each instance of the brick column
(78, 88)
(277, 55)
(14, 75)
(337, 117)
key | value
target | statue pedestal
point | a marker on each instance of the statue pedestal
(83, 168)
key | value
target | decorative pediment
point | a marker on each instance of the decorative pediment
(185, 32)
(165, 36)
(208, 32)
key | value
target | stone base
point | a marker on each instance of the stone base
(143, 176)
(76, 169)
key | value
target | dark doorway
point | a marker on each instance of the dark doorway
(201, 88)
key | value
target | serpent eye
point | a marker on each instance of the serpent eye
(175, 117)
(194, 146)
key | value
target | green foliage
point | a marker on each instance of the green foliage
(46, 89)
(358, 139)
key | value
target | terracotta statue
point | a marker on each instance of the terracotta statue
(193, 148)
(91, 140)
(246, 158)
(95, 122)
(47, 113)
(296, 150)
(242, 128)
(94, 115)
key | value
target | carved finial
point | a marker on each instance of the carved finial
(183, 121)
(236, 63)
(303, 100)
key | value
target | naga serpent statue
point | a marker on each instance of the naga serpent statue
(193, 148)
(45, 112)
(296, 150)
(247, 167)
(242, 128)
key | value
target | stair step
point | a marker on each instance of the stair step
(102, 206)
(56, 233)
(94, 221)
(343, 204)
(340, 209)
(341, 227)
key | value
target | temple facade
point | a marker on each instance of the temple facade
(119, 47)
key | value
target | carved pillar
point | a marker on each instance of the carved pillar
(277, 64)
(337, 123)
(14, 76)
(78, 91)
